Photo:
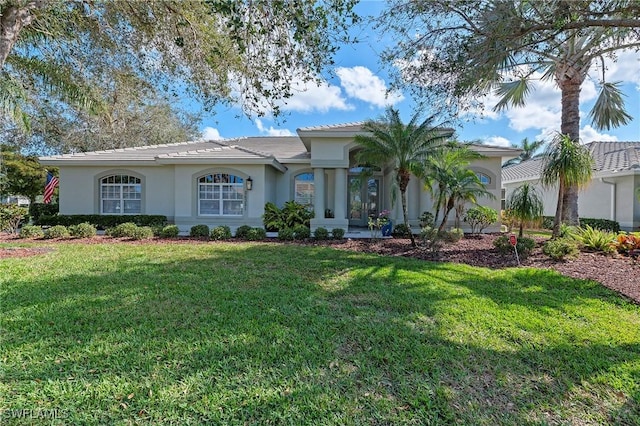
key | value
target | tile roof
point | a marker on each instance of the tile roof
(344, 127)
(608, 157)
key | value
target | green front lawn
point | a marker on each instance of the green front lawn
(275, 334)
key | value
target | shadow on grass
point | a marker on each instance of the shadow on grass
(277, 334)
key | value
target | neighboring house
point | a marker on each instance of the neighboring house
(15, 199)
(228, 182)
(611, 193)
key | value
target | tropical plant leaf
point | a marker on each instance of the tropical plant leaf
(609, 111)
(512, 93)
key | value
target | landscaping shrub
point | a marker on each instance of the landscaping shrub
(243, 231)
(123, 230)
(286, 234)
(37, 210)
(627, 243)
(524, 245)
(301, 232)
(101, 221)
(452, 236)
(401, 231)
(547, 222)
(321, 233)
(201, 231)
(11, 215)
(256, 234)
(170, 231)
(31, 231)
(601, 224)
(430, 238)
(289, 216)
(220, 233)
(83, 230)
(480, 217)
(142, 233)
(595, 239)
(426, 219)
(57, 231)
(337, 233)
(561, 248)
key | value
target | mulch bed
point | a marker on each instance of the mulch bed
(619, 273)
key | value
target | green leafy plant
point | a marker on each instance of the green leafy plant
(627, 243)
(301, 232)
(256, 234)
(242, 231)
(561, 248)
(401, 231)
(31, 231)
(286, 234)
(170, 231)
(337, 233)
(101, 221)
(524, 246)
(594, 239)
(200, 231)
(296, 214)
(142, 233)
(220, 233)
(430, 238)
(602, 224)
(426, 219)
(452, 236)
(123, 230)
(83, 230)
(57, 231)
(321, 233)
(272, 217)
(480, 217)
(11, 216)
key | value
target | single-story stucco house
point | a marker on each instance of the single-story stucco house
(611, 194)
(228, 182)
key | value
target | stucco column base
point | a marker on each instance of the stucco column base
(329, 223)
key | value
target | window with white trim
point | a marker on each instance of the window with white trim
(120, 194)
(484, 179)
(220, 194)
(304, 189)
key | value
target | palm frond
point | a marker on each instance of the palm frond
(512, 93)
(609, 111)
(12, 100)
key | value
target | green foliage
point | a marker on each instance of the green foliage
(83, 230)
(23, 174)
(102, 221)
(480, 217)
(321, 233)
(256, 234)
(431, 238)
(200, 231)
(37, 210)
(602, 224)
(547, 222)
(524, 246)
(58, 231)
(595, 239)
(301, 232)
(170, 231)
(220, 233)
(401, 231)
(31, 231)
(142, 233)
(242, 231)
(11, 216)
(337, 233)
(561, 248)
(286, 234)
(426, 219)
(291, 215)
(525, 205)
(272, 217)
(123, 230)
(627, 243)
(452, 236)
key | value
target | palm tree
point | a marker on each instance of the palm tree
(528, 151)
(405, 146)
(525, 204)
(567, 164)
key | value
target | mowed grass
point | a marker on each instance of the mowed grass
(275, 334)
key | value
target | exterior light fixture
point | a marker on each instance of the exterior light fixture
(249, 183)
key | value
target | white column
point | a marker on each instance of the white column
(318, 182)
(340, 193)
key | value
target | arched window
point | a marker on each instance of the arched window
(220, 194)
(120, 194)
(304, 189)
(484, 179)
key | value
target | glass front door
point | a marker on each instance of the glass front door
(364, 200)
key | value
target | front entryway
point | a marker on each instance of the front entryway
(364, 199)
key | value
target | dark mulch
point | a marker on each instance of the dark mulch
(619, 273)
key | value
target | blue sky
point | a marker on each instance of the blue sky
(355, 89)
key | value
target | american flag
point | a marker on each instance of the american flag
(52, 182)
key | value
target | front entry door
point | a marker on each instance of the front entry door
(364, 200)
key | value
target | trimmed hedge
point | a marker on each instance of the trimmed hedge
(37, 210)
(102, 221)
(601, 224)
(200, 231)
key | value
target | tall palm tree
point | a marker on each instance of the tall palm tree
(525, 204)
(528, 151)
(404, 146)
(567, 164)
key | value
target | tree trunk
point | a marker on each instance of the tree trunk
(447, 210)
(403, 182)
(559, 208)
(12, 20)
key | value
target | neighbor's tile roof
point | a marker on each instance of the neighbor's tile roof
(344, 127)
(608, 157)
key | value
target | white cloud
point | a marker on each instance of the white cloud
(624, 68)
(589, 134)
(311, 96)
(271, 131)
(360, 83)
(211, 134)
(497, 141)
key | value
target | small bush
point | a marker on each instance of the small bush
(256, 234)
(601, 224)
(83, 230)
(142, 233)
(337, 233)
(124, 230)
(595, 239)
(401, 231)
(201, 231)
(220, 233)
(242, 231)
(547, 222)
(36, 210)
(452, 236)
(170, 231)
(524, 245)
(480, 217)
(430, 238)
(301, 232)
(31, 231)
(286, 234)
(57, 231)
(321, 233)
(101, 221)
(627, 243)
(426, 219)
(561, 248)
(11, 215)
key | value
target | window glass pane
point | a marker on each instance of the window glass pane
(304, 189)
(111, 206)
(131, 192)
(232, 208)
(132, 206)
(209, 207)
